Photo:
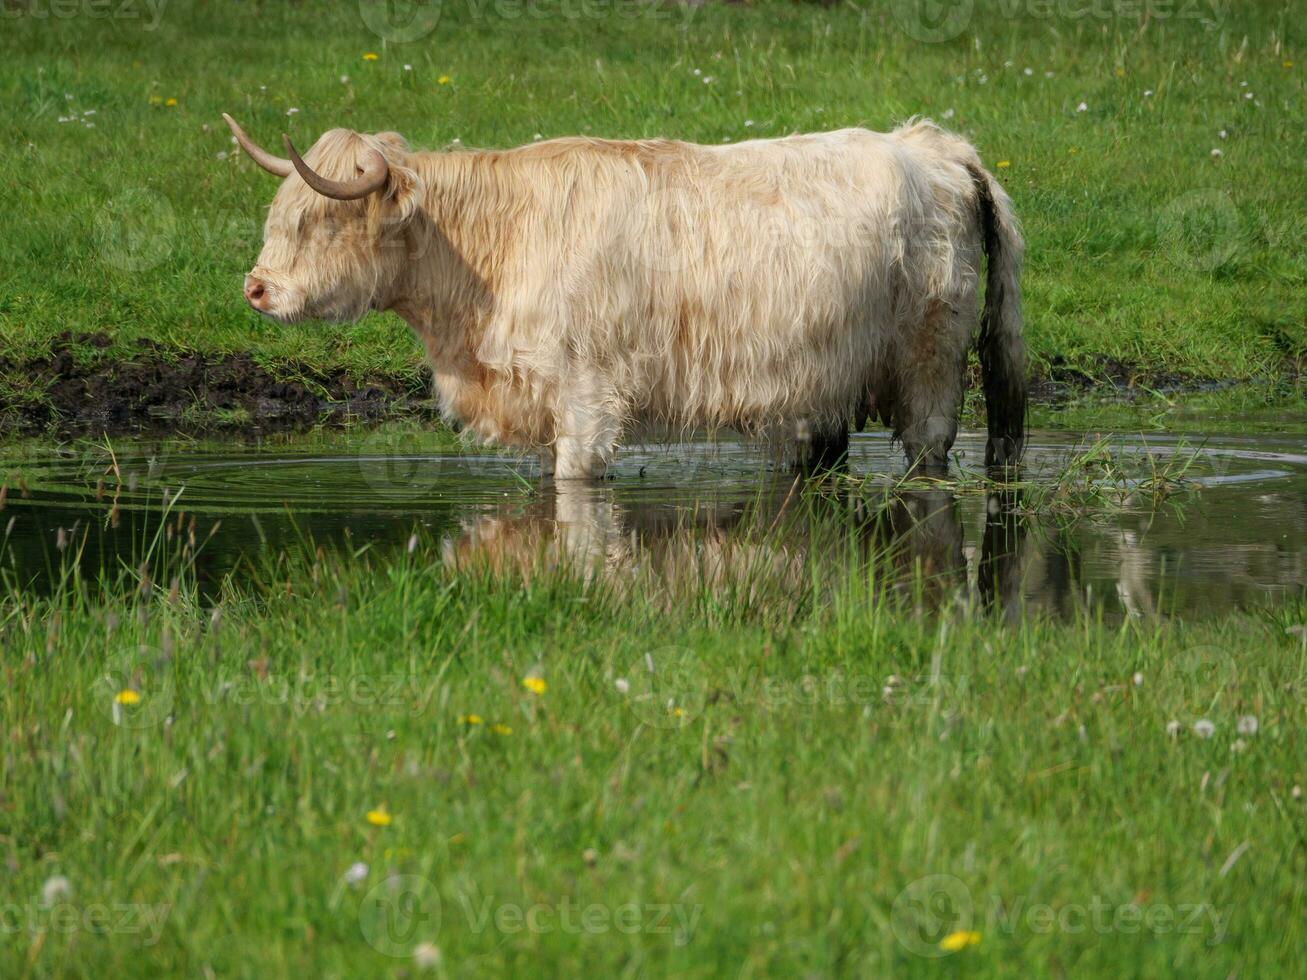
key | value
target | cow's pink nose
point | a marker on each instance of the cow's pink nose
(256, 294)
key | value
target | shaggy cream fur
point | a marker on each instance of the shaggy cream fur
(574, 291)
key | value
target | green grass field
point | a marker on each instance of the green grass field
(350, 765)
(1144, 246)
(356, 763)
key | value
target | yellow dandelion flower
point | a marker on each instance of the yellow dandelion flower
(536, 685)
(369, 56)
(501, 729)
(678, 712)
(1286, 63)
(379, 818)
(470, 719)
(170, 102)
(1003, 164)
(1120, 73)
(955, 941)
(443, 80)
(127, 696)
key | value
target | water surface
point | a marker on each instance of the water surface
(1235, 537)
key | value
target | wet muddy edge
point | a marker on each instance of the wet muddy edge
(158, 389)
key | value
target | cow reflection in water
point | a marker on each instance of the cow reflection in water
(775, 545)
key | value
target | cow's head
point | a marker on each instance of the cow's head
(336, 236)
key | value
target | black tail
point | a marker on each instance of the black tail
(1002, 350)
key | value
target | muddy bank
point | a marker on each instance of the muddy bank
(159, 389)
(82, 388)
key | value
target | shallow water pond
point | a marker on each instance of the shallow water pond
(1164, 526)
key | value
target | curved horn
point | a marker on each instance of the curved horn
(373, 177)
(277, 166)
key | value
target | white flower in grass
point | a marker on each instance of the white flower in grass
(1247, 725)
(426, 956)
(948, 113)
(1204, 728)
(1247, 95)
(408, 67)
(1082, 107)
(1217, 152)
(1173, 728)
(748, 123)
(1138, 679)
(56, 889)
(356, 873)
(622, 684)
(291, 111)
(1148, 93)
(1223, 134)
(1028, 71)
(344, 79)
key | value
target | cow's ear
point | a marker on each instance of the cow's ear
(404, 188)
(404, 191)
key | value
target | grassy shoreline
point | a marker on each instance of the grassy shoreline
(354, 761)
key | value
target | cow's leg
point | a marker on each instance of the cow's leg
(588, 429)
(824, 448)
(929, 395)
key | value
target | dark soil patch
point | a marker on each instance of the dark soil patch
(164, 389)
